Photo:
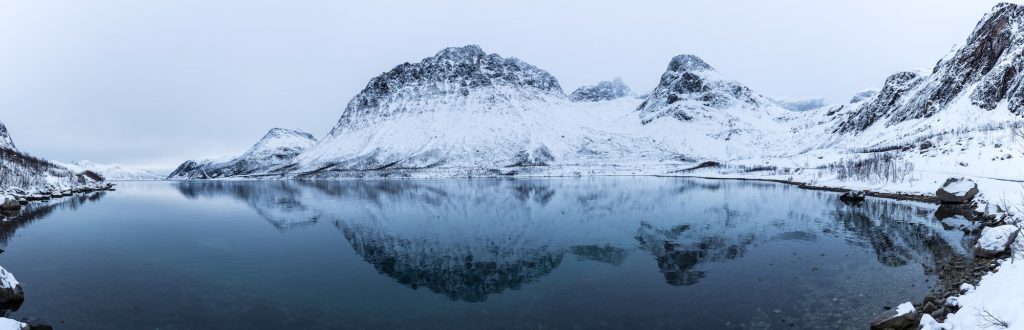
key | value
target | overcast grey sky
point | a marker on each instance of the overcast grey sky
(152, 83)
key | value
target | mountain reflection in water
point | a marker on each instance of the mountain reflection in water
(471, 239)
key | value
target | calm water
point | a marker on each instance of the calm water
(625, 252)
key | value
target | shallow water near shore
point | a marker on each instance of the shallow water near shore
(602, 252)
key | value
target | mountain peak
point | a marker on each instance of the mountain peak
(687, 62)
(603, 91)
(461, 53)
(5, 138)
(451, 76)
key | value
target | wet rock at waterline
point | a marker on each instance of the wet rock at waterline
(903, 316)
(853, 196)
(9, 203)
(957, 191)
(10, 289)
(995, 240)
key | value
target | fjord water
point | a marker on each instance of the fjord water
(603, 252)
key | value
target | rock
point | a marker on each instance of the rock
(10, 289)
(853, 196)
(995, 240)
(957, 191)
(903, 317)
(35, 323)
(6, 323)
(9, 203)
(928, 322)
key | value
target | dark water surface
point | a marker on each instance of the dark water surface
(606, 252)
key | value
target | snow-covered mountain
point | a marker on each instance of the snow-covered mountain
(603, 91)
(114, 172)
(276, 148)
(25, 174)
(465, 112)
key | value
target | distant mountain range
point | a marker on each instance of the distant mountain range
(466, 112)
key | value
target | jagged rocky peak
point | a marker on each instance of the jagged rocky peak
(452, 74)
(985, 72)
(603, 91)
(687, 62)
(895, 88)
(691, 86)
(5, 138)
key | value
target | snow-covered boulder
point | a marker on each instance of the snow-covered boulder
(904, 316)
(957, 191)
(10, 289)
(995, 240)
(11, 324)
(9, 203)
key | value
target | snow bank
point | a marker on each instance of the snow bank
(9, 324)
(998, 297)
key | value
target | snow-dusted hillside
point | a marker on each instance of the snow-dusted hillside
(113, 172)
(277, 147)
(23, 174)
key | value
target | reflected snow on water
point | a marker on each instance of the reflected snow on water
(590, 252)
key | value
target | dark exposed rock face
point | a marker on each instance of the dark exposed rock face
(603, 91)
(957, 191)
(991, 59)
(896, 86)
(452, 73)
(690, 86)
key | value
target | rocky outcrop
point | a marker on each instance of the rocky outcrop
(995, 240)
(853, 196)
(5, 138)
(957, 191)
(603, 91)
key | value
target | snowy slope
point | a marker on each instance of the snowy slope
(114, 172)
(22, 173)
(277, 147)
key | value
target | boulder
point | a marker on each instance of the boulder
(853, 196)
(9, 203)
(995, 240)
(957, 191)
(6, 323)
(10, 289)
(903, 316)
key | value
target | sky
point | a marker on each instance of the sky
(153, 83)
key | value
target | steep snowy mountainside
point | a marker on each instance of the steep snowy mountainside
(113, 172)
(981, 76)
(5, 138)
(863, 95)
(277, 147)
(603, 91)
